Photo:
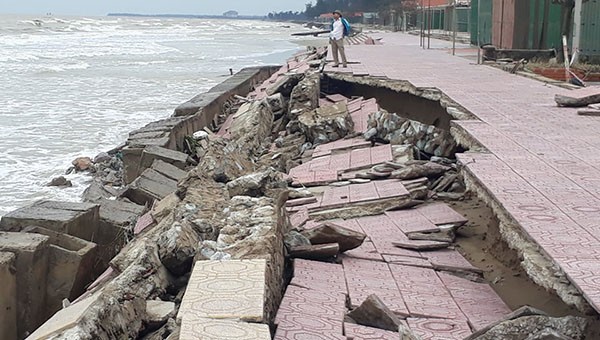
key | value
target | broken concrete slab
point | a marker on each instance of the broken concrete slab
(374, 313)
(579, 98)
(199, 103)
(152, 153)
(528, 327)
(76, 219)
(64, 319)
(326, 124)
(442, 214)
(301, 201)
(159, 312)
(149, 187)
(328, 232)
(8, 296)
(305, 96)
(31, 263)
(233, 289)
(421, 245)
(315, 252)
(445, 235)
(117, 219)
(71, 263)
(213, 329)
(429, 169)
(168, 170)
(520, 312)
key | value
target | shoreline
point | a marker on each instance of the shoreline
(302, 194)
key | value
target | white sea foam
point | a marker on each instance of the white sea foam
(77, 86)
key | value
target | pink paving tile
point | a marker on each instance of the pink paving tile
(143, 222)
(478, 301)
(441, 214)
(335, 196)
(320, 276)
(384, 233)
(358, 332)
(336, 98)
(408, 261)
(360, 158)
(363, 192)
(365, 277)
(411, 221)
(390, 188)
(303, 327)
(366, 251)
(424, 293)
(449, 259)
(381, 154)
(312, 303)
(300, 201)
(439, 329)
(340, 161)
(321, 163)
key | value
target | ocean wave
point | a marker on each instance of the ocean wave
(64, 67)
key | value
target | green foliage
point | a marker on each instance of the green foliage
(327, 6)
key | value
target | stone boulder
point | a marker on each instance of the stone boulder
(394, 129)
(83, 163)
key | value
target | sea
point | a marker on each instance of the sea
(76, 86)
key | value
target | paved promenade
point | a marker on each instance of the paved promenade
(544, 161)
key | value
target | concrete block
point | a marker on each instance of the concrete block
(70, 267)
(150, 186)
(152, 153)
(210, 329)
(131, 163)
(201, 102)
(232, 289)
(31, 262)
(8, 296)
(117, 219)
(64, 319)
(76, 219)
(169, 170)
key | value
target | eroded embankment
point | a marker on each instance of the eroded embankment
(236, 186)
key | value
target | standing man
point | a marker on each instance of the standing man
(339, 29)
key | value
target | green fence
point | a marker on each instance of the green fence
(589, 44)
(481, 21)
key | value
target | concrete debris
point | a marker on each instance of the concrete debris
(445, 235)
(579, 98)
(413, 171)
(177, 248)
(255, 184)
(315, 252)
(394, 129)
(300, 193)
(278, 104)
(285, 85)
(326, 124)
(332, 233)
(304, 97)
(537, 327)
(295, 239)
(149, 187)
(158, 312)
(374, 313)
(421, 245)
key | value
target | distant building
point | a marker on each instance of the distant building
(231, 14)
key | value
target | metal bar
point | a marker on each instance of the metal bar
(454, 26)
(479, 61)
(429, 17)
(577, 27)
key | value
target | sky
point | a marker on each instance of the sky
(89, 7)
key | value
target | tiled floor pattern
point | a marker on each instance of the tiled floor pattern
(226, 289)
(325, 169)
(435, 303)
(544, 159)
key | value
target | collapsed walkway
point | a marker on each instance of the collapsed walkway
(539, 164)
